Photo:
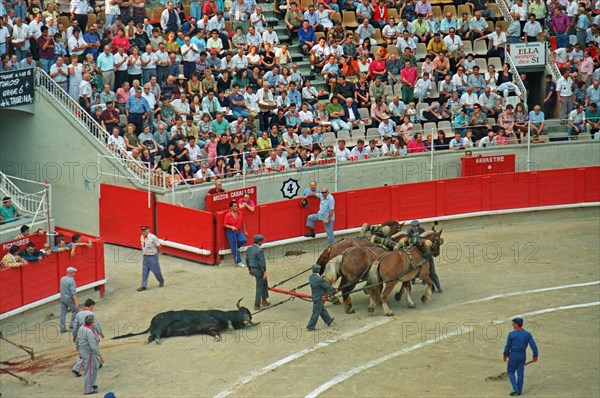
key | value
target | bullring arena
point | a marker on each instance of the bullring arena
(543, 266)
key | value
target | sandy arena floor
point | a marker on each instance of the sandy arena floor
(446, 347)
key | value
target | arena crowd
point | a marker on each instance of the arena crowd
(211, 87)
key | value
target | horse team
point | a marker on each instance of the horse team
(385, 259)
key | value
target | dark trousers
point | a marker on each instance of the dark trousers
(433, 275)
(263, 121)
(120, 78)
(262, 289)
(82, 20)
(188, 68)
(137, 119)
(83, 104)
(319, 311)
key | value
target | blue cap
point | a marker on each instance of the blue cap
(316, 268)
(414, 223)
(109, 395)
(518, 321)
(258, 238)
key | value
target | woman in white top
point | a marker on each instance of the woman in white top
(309, 95)
(75, 77)
(134, 70)
(491, 77)
(253, 57)
(323, 15)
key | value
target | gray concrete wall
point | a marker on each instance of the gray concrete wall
(408, 169)
(48, 146)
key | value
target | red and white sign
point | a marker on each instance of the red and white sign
(485, 165)
(220, 201)
(38, 239)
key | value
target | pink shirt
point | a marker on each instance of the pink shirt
(416, 147)
(409, 74)
(587, 66)
(211, 149)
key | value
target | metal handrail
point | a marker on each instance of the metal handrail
(140, 175)
(26, 203)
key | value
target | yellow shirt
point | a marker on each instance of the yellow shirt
(436, 47)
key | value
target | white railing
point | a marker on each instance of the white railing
(29, 204)
(516, 76)
(551, 66)
(72, 107)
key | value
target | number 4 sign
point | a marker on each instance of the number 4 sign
(290, 188)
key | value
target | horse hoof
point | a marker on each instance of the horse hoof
(371, 311)
(412, 306)
(398, 296)
(389, 313)
(423, 299)
(350, 311)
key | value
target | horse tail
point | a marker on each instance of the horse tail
(332, 269)
(124, 336)
(374, 278)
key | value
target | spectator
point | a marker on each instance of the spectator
(536, 121)
(488, 141)
(31, 254)
(457, 143)
(576, 120)
(169, 19)
(12, 259)
(592, 118)
(8, 211)
(417, 145)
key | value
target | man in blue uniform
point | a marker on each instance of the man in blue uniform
(326, 214)
(514, 354)
(413, 232)
(319, 287)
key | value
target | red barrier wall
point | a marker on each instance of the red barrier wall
(122, 212)
(38, 280)
(197, 230)
(287, 219)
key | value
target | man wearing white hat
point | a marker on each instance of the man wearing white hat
(68, 298)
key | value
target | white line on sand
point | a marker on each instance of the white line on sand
(367, 365)
(253, 375)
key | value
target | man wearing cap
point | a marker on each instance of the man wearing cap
(89, 350)
(414, 232)
(319, 288)
(79, 323)
(8, 211)
(257, 267)
(68, 299)
(150, 247)
(514, 354)
(326, 214)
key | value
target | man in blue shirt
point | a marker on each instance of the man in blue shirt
(91, 37)
(137, 109)
(106, 63)
(238, 105)
(307, 38)
(514, 354)
(294, 95)
(326, 214)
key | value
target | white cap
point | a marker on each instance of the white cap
(71, 270)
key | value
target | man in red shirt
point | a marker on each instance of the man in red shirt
(235, 229)
(218, 188)
(417, 145)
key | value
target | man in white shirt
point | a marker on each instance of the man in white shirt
(59, 72)
(85, 93)
(497, 42)
(181, 106)
(359, 151)
(564, 89)
(77, 45)
(576, 120)
(387, 126)
(469, 98)
(149, 62)
(116, 142)
(531, 29)
(35, 26)
(79, 12)
(4, 37)
(270, 36)
(190, 55)
(194, 153)
(488, 140)
(460, 80)
(239, 60)
(257, 19)
(169, 19)
(457, 143)
(341, 152)
(20, 36)
(272, 163)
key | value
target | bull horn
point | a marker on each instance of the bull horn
(254, 324)
(385, 230)
(401, 224)
(440, 233)
(364, 229)
(238, 303)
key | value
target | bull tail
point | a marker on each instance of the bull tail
(124, 336)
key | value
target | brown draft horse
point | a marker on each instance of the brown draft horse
(337, 248)
(353, 267)
(402, 265)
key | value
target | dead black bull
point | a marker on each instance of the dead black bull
(190, 322)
